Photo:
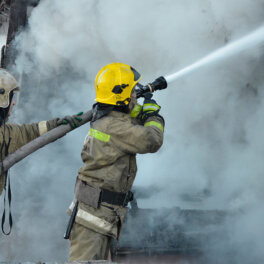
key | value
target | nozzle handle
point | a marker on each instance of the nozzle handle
(159, 84)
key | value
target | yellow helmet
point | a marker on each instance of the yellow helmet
(8, 83)
(114, 83)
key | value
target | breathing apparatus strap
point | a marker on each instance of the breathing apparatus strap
(7, 189)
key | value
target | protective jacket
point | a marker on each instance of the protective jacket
(109, 156)
(13, 136)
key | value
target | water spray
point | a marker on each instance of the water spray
(253, 39)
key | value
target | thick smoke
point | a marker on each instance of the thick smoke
(212, 157)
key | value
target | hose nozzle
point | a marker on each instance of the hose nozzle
(159, 84)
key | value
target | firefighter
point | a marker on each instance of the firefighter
(13, 136)
(120, 128)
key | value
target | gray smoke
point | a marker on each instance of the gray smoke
(212, 157)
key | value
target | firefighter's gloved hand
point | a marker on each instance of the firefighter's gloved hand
(73, 120)
(150, 108)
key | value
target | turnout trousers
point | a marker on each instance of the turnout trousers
(86, 244)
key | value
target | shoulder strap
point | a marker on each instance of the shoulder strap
(7, 189)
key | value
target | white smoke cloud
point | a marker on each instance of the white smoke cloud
(213, 148)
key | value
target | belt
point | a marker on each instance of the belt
(115, 198)
(95, 196)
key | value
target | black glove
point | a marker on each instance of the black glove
(149, 108)
(73, 120)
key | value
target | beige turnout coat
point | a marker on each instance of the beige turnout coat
(19, 135)
(109, 156)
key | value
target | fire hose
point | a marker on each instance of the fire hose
(60, 131)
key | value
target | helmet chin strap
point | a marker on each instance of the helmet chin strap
(4, 111)
(4, 115)
(122, 103)
(1, 121)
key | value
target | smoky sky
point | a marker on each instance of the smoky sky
(213, 151)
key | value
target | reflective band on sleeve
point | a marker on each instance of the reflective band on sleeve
(156, 124)
(42, 127)
(95, 221)
(152, 107)
(135, 111)
(99, 135)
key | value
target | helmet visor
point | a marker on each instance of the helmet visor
(136, 74)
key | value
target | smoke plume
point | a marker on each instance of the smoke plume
(212, 157)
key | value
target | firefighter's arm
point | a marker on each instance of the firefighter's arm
(145, 138)
(22, 134)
